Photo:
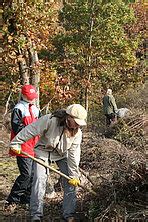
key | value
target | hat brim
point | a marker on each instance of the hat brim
(80, 122)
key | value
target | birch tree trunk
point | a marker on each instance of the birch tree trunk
(34, 68)
(89, 56)
(23, 69)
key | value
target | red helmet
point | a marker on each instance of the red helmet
(29, 91)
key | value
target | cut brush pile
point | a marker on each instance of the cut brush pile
(117, 171)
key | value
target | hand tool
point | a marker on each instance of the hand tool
(55, 170)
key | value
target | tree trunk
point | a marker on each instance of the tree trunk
(35, 81)
(23, 69)
(34, 69)
(89, 56)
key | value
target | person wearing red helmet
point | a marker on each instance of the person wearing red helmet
(23, 114)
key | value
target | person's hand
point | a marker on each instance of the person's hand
(16, 148)
(74, 182)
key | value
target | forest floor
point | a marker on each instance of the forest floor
(114, 172)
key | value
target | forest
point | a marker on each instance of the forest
(72, 51)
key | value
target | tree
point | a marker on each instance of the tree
(112, 55)
(28, 25)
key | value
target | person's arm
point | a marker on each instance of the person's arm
(74, 157)
(16, 121)
(113, 102)
(31, 130)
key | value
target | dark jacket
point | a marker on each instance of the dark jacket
(109, 104)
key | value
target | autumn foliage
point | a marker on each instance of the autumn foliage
(72, 51)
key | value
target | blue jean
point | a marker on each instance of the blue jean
(39, 187)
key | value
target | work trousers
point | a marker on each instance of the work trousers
(21, 190)
(39, 187)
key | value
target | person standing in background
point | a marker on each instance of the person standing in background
(109, 107)
(23, 114)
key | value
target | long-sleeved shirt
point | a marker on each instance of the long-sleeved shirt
(109, 104)
(54, 140)
(24, 114)
(20, 113)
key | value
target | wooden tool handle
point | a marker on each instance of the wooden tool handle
(41, 162)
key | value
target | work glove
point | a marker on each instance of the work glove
(16, 148)
(74, 182)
